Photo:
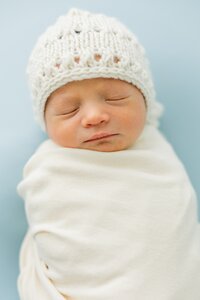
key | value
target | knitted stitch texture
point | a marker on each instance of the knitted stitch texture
(83, 45)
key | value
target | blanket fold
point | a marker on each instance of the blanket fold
(109, 225)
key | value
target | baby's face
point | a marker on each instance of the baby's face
(97, 114)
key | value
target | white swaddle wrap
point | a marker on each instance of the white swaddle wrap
(109, 225)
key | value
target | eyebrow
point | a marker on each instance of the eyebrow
(65, 99)
(114, 86)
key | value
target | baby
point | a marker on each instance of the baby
(111, 211)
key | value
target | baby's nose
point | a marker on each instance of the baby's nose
(94, 116)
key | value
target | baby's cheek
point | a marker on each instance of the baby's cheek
(60, 134)
(140, 117)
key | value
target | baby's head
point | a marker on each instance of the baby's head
(91, 84)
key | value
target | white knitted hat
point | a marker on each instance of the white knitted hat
(83, 45)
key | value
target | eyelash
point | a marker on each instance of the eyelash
(70, 112)
(117, 99)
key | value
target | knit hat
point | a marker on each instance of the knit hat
(83, 45)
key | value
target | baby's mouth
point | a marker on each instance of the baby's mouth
(100, 136)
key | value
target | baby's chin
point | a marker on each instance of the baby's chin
(105, 147)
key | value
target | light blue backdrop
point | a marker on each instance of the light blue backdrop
(169, 30)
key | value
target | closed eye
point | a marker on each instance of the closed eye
(116, 99)
(68, 112)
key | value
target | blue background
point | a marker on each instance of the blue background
(169, 30)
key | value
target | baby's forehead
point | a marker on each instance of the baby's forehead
(93, 84)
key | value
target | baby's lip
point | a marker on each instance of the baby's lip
(99, 136)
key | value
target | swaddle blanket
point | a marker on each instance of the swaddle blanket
(109, 226)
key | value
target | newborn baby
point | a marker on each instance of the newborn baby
(111, 211)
